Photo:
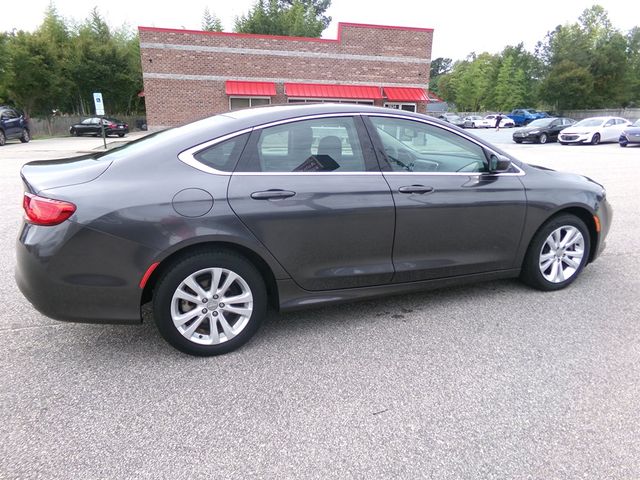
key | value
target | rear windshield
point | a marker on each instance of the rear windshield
(167, 137)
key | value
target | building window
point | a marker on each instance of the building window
(409, 107)
(329, 100)
(237, 103)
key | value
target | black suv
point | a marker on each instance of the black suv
(13, 124)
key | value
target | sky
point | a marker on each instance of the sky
(460, 27)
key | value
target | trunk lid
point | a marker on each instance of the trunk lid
(43, 175)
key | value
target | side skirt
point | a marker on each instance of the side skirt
(292, 297)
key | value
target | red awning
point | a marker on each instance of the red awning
(258, 89)
(405, 94)
(321, 90)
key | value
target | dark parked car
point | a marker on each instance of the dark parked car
(297, 206)
(630, 135)
(13, 124)
(542, 130)
(453, 118)
(91, 126)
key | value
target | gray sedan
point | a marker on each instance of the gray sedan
(294, 206)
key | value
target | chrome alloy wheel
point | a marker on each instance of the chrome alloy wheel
(561, 254)
(211, 306)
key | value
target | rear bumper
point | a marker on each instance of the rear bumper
(65, 280)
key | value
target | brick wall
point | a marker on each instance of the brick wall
(185, 71)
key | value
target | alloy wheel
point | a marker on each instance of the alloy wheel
(561, 254)
(212, 306)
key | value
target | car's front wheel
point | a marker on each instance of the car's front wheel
(543, 138)
(595, 140)
(557, 253)
(210, 303)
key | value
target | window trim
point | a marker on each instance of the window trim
(250, 98)
(400, 105)
(348, 101)
(186, 156)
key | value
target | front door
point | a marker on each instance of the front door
(312, 193)
(452, 218)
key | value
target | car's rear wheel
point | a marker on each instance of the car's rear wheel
(543, 138)
(121, 135)
(557, 253)
(623, 143)
(26, 136)
(595, 140)
(210, 303)
(3, 138)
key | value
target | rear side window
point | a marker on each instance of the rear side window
(223, 156)
(320, 145)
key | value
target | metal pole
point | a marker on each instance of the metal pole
(104, 138)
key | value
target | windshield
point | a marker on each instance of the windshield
(541, 122)
(589, 122)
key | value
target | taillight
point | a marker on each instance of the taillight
(46, 211)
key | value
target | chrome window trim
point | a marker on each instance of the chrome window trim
(188, 156)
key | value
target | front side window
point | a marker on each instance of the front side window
(319, 145)
(412, 146)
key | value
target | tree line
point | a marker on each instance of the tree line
(587, 64)
(584, 65)
(56, 68)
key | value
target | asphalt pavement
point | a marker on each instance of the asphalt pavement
(490, 381)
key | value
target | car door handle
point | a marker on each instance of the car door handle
(272, 194)
(415, 189)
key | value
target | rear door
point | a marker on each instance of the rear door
(312, 192)
(452, 218)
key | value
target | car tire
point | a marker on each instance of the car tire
(595, 140)
(26, 136)
(186, 320)
(550, 265)
(543, 138)
(121, 135)
(3, 138)
(623, 144)
(73, 132)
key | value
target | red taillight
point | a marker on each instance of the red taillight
(46, 211)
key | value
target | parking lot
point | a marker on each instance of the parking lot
(488, 381)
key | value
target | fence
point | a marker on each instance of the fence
(628, 113)
(58, 126)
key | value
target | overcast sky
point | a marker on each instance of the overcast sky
(460, 27)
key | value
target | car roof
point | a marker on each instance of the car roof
(274, 113)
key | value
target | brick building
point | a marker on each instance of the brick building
(191, 74)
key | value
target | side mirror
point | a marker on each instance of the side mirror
(498, 163)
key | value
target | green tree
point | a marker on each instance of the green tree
(319, 8)
(440, 66)
(270, 18)
(211, 22)
(592, 50)
(568, 85)
(632, 92)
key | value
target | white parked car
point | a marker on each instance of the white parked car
(506, 122)
(476, 121)
(594, 130)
